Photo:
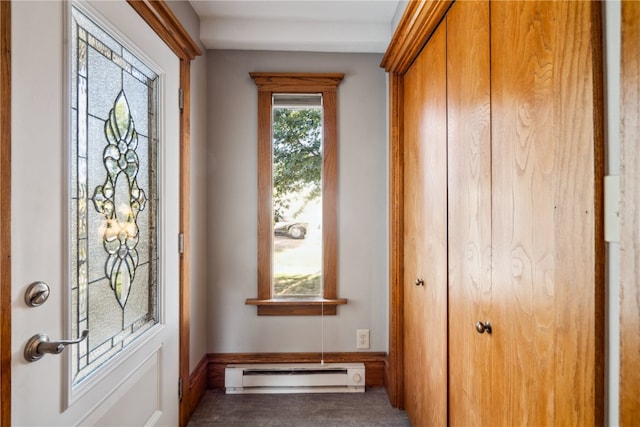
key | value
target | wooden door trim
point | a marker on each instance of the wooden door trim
(419, 21)
(185, 227)
(630, 211)
(5, 213)
(159, 17)
(394, 378)
(600, 250)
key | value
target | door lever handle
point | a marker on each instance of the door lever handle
(40, 344)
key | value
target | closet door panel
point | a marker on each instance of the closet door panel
(545, 214)
(425, 236)
(469, 182)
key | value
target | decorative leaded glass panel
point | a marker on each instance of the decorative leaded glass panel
(114, 196)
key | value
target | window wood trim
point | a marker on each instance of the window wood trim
(326, 84)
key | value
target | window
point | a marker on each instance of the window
(297, 184)
(297, 195)
(114, 197)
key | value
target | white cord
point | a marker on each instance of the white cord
(322, 332)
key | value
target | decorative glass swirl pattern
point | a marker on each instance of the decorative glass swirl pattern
(120, 199)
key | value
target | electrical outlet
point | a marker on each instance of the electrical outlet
(362, 339)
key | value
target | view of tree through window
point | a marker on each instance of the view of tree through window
(297, 195)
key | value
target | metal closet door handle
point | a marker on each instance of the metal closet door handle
(419, 282)
(481, 328)
(40, 344)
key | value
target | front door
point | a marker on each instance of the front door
(94, 215)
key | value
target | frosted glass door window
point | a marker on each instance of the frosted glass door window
(114, 195)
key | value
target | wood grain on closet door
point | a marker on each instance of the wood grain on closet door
(425, 236)
(546, 214)
(630, 242)
(469, 181)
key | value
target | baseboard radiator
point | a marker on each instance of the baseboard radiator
(295, 378)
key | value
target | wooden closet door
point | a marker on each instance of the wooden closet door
(425, 236)
(469, 181)
(546, 311)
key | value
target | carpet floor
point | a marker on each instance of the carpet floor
(371, 408)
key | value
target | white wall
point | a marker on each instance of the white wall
(199, 220)
(199, 184)
(402, 5)
(612, 109)
(232, 212)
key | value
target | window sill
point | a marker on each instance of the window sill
(298, 307)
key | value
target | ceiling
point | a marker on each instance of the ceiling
(296, 25)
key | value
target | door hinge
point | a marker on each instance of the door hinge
(181, 243)
(181, 98)
(612, 208)
(180, 388)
